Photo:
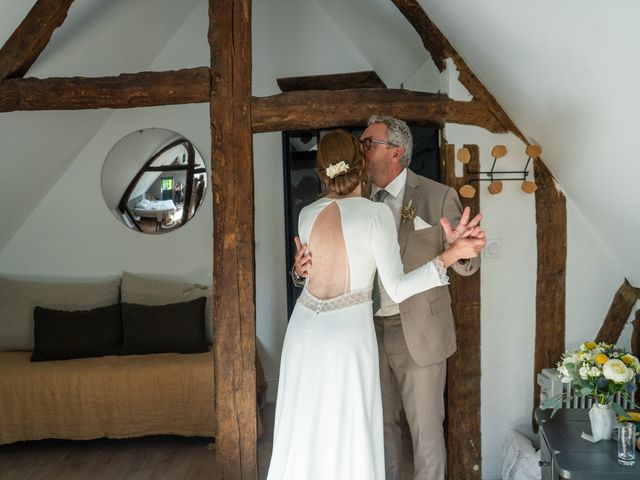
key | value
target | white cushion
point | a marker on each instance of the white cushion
(18, 298)
(144, 290)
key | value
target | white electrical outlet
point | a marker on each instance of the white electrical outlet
(493, 248)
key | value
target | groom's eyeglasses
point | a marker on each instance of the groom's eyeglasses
(367, 143)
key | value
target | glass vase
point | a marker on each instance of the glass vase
(603, 420)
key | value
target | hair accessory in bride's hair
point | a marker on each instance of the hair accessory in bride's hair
(336, 169)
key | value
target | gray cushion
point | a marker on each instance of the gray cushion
(19, 298)
(153, 291)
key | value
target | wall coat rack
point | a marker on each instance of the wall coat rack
(496, 177)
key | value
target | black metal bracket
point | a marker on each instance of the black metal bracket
(492, 173)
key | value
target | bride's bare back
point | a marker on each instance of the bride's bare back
(329, 276)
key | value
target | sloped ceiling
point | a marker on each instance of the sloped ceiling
(564, 71)
(98, 38)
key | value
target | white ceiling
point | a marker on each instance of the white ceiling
(566, 72)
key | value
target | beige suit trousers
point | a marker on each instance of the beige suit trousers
(420, 391)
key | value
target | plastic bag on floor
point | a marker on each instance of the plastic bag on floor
(519, 458)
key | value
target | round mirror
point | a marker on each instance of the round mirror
(154, 180)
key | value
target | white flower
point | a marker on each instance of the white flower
(595, 372)
(336, 168)
(617, 371)
(584, 373)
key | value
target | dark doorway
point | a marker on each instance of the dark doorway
(302, 186)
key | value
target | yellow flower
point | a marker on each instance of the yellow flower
(627, 359)
(590, 345)
(601, 358)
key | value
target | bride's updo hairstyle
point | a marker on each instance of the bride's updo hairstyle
(336, 147)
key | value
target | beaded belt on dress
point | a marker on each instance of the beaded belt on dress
(319, 305)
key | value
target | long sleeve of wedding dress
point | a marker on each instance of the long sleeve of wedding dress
(398, 284)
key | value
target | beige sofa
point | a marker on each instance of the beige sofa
(111, 396)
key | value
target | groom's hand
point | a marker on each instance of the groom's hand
(302, 264)
(465, 229)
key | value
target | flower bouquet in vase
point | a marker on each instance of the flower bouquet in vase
(600, 371)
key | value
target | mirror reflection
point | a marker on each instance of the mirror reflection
(154, 180)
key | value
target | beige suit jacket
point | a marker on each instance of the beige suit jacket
(427, 320)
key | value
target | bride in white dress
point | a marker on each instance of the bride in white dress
(328, 421)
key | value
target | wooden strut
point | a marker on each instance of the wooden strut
(619, 311)
(26, 43)
(551, 234)
(233, 246)
(464, 439)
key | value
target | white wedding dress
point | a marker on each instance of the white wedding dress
(328, 421)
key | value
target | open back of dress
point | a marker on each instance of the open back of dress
(330, 276)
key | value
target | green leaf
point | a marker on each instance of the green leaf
(619, 410)
(553, 402)
(585, 391)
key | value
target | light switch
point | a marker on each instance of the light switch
(493, 248)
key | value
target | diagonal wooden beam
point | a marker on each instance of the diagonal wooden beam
(233, 238)
(619, 311)
(31, 37)
(440, 49)
(320, 108)
(143, 89)
(336, 81)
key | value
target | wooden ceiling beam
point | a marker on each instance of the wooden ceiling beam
(24, 46)
(299, 110)
(440, 49)
(336, 81)
(143, 89)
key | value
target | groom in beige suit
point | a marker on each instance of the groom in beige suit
(415, 337)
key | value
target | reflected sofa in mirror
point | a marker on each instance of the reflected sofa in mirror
(154, 180)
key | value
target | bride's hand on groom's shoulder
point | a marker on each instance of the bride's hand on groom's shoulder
(302, 259)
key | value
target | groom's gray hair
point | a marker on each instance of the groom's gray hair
(399, 134)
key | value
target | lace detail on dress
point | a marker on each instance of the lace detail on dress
(319, 305)
(444, 278)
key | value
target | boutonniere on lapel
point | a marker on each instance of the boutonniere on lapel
(408, 213)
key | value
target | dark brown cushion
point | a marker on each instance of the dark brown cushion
(61, 335)
(176, 327)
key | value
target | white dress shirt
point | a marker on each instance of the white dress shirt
(394, 201)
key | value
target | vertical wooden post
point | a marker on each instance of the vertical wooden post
(551, 233)
(233, 250)
(464, 453)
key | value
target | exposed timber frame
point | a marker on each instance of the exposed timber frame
(129, 90)
(233, 247)
(27, 42)
(464, 439)
(551, 233)
(234, 115)
(619, 311)
(310, 109)
(336, 81)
